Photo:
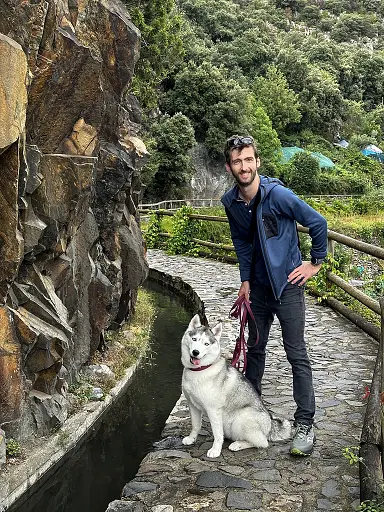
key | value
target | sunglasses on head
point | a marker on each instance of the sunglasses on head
(239, 141)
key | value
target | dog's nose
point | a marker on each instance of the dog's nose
(195, 353)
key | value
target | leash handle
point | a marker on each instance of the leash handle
(241, 309)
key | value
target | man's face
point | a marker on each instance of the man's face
(243, 165)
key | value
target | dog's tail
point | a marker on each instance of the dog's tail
(280, 430)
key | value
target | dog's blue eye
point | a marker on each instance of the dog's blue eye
(206, 344)
(194, 338)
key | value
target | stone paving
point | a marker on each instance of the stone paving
(174, 478)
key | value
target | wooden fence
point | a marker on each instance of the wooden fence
(372, 439)
(173, 204)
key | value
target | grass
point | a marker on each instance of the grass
(369, 228)
(125, 347)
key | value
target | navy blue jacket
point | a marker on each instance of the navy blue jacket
(276, 214)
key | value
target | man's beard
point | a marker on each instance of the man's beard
(251, 179)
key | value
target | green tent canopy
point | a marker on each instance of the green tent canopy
(289, 152)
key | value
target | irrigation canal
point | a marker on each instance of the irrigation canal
(94, 473)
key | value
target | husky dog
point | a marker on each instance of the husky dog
(233, 407)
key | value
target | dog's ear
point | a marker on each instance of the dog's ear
(216, 331)
(194, 323)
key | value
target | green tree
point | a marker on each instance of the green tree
(375, 122)
(336, 6)
(323, 53)
(311, 14)
(362, 76)
(321, 102)
(216, 105)
(218, 18)
(249, 51)
(174, 137)
(279, 101)
(292, 5)
(294, 64)
(197, 45)
(354, 118)
(161, 47)
(354, 26)
(267, 139)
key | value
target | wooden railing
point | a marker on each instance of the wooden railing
(372, 439)
(173, 204)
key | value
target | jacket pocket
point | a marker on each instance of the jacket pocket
(270, 225)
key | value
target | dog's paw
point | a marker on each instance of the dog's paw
(236, 446)
(213, 452)
(188, 440)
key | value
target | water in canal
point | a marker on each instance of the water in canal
(95, 472)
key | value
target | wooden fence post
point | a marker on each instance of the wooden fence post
(381, 302)
(371, 447)
(331, 252)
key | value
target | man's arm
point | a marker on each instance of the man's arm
(291, 205)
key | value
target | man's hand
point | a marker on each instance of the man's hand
(302, 273)
(244, 289)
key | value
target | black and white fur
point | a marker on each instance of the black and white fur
(233, 407)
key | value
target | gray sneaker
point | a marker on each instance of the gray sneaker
(303, 440)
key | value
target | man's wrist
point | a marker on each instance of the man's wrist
(316, 262)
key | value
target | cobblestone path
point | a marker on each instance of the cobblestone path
(177, 478)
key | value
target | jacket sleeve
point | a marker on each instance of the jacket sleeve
(287, 203)
(243, 247)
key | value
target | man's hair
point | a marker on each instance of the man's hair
(238, 142)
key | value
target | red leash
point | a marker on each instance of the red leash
(241, 309)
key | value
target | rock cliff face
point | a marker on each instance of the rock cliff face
(210, 179)
(70, 245)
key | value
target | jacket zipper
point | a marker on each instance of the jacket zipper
(263, 244)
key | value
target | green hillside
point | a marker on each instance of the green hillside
(290, 72)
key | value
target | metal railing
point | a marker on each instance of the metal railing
(372, 439)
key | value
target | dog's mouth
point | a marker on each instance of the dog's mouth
(195, 361)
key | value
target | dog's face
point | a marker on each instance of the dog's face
(200, 345)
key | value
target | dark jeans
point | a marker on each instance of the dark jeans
(290, 311)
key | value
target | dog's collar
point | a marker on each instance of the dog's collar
(200, 368)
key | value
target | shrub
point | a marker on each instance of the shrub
(303, 173)
(152, 233)
(13, 448)
(216, 232)
(184, 230)
(365, 167)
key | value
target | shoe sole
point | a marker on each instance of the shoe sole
(296, 451)
(300, 453)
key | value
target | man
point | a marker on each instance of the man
(262, 215)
